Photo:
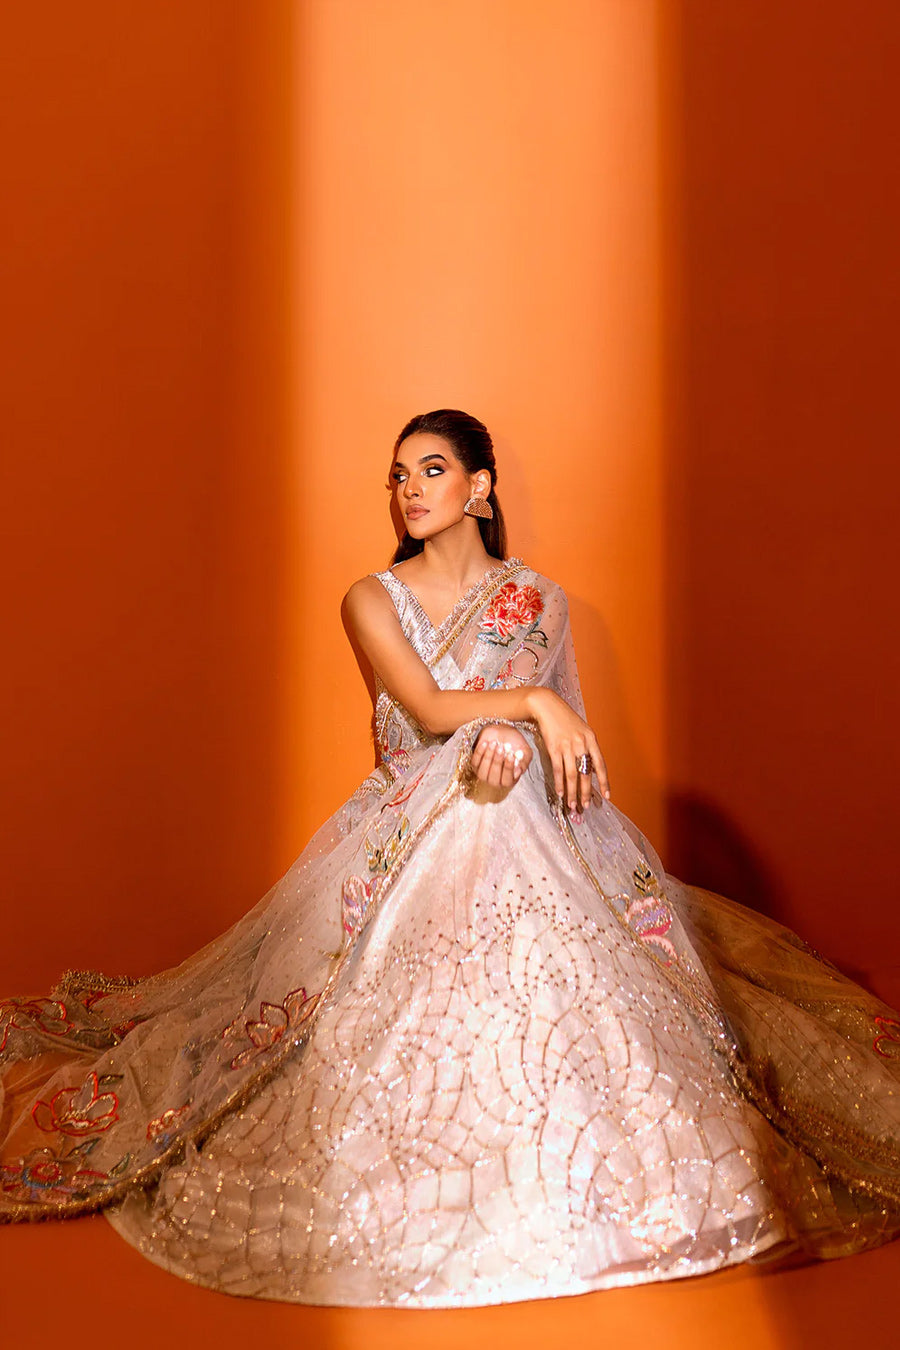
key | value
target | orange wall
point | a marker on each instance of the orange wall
(782, 469)
(144, 242)
(480, 203)
(244, 249)
(646, 242)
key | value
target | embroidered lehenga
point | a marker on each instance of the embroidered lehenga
(470, 1049)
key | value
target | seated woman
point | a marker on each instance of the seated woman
(475, 1045)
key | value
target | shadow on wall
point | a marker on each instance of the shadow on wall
(715, 853)
(780, 221)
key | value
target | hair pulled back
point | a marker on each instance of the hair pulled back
(473, 447)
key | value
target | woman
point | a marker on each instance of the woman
(475, 1046)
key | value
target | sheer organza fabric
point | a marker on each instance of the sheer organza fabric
(470, 1048)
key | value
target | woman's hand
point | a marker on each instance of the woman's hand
(501, 756)
(567, 737)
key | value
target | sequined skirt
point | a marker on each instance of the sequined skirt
(525, 1083)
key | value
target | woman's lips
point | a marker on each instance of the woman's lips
(415, 512)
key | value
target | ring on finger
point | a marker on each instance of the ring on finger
(584, 763)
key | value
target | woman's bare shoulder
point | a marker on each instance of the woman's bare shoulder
(366, 596)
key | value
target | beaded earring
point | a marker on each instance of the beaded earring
(479, 506)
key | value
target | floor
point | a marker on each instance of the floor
(79, 1284)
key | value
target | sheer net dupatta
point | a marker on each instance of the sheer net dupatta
(818, 1054)
(104, 1081)
(511, 630)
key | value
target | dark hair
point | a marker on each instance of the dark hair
(474, 449)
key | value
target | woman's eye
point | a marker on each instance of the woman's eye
(433, 469)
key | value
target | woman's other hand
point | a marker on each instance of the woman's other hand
(501, 756)
(567, 737)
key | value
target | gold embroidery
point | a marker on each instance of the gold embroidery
(808, 1127)
(143, 1176)
(644, 879)
(74, 982)
(703, 1006)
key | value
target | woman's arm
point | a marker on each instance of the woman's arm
(406, 677)
(376, 627)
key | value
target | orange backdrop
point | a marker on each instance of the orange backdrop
(649, 243)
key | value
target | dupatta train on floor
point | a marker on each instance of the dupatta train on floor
(470, 1048)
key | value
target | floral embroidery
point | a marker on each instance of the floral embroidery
(512, 607)
(391, 748)
(275, 1020)
(123, 1028)
(398, 757)
(79, 1110)
(41, 1014)
(45, 1175)
(404, 792)
(509, 672)
(648, 914)
(651, 918)
(891, 1037)
(161, 1128)
(357, 898)
(381, 853)
(90, 996)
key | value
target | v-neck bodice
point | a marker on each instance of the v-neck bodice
(432, 642)
(421, 631)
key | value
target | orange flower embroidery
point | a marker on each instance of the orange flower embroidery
(512, 607)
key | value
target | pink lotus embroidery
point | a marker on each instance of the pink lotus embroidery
(275, 1020)
(651, 919)
(78, 1111)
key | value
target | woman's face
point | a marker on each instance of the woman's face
(431, 485)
